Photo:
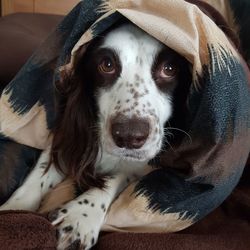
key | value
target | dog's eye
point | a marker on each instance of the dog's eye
(168, 70)
(107, 66)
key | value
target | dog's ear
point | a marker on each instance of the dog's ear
(75, 143)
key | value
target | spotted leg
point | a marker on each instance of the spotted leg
(79, 221)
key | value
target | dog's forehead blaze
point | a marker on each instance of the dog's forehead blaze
(132, 44)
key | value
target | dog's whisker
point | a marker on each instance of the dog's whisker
(180, 130)
(166, 143)
(169, 134)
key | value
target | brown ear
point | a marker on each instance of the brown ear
(75, 135)
(60, 194)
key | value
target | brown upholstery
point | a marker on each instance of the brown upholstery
(20, 35)
(24, 230)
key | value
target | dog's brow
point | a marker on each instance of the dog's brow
(102, 51)
(167, 53)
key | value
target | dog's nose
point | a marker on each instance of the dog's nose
(129, 133)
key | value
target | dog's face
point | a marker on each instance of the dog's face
(118, 96)
(135, 76)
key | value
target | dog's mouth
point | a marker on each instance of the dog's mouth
(129, 155)
(142, 154)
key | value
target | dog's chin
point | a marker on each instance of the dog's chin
(129, 155)
(135, 155)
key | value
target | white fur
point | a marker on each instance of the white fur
(137, 52)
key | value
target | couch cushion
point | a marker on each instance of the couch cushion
(21, 34)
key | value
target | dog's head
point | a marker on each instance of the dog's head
(118, 99)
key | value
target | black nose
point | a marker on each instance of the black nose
(129, 133)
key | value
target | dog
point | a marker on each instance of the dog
(113, 108)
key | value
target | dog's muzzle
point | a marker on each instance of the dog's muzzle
(129, 133)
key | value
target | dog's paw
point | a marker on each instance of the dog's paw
(78, 224)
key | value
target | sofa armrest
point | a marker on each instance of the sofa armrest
(21, 34)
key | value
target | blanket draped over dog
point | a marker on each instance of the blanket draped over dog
(194, 177)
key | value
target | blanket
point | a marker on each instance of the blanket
(190, 179)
